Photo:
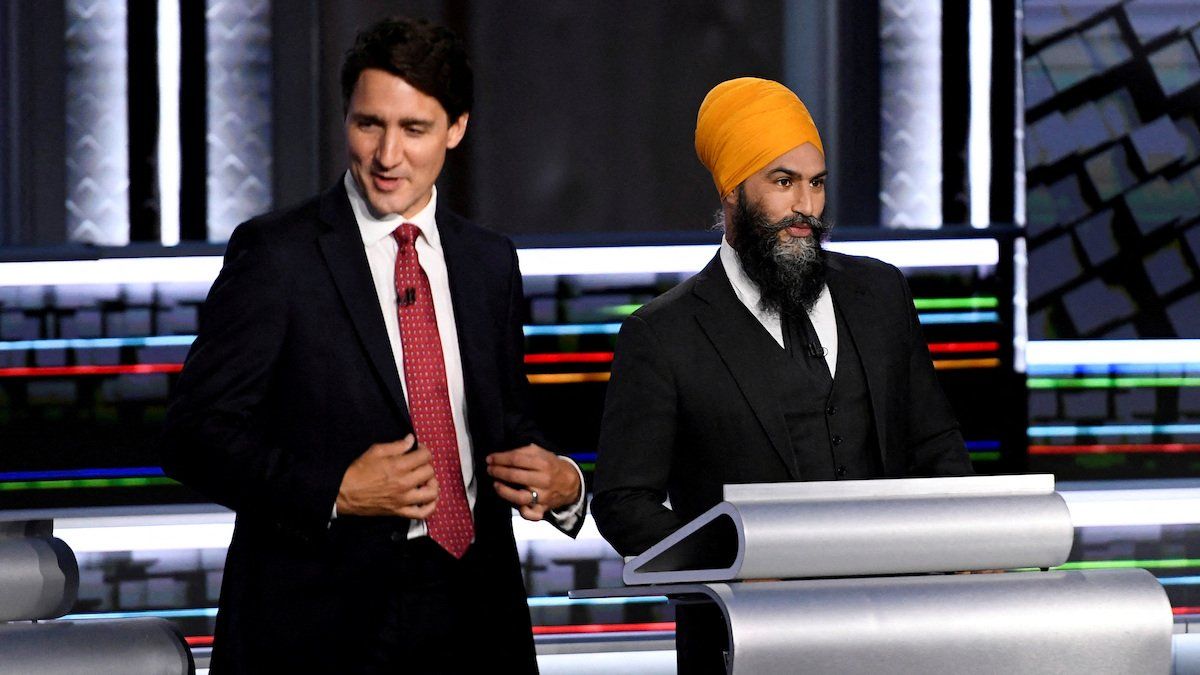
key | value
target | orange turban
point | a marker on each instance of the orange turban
(745, 123)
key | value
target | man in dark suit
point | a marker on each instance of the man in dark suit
(358, 367)
(780, 361)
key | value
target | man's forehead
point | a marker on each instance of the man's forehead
(804, 160)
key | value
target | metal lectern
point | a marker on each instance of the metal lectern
(866, 577)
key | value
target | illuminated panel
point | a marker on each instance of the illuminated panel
(534, 262)
(1119, 507)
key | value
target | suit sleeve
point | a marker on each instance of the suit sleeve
(934, 445)
(637, 437)
(215, 439)
(519, 426)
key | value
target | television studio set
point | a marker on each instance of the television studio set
(726, 336)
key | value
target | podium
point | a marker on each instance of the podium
(868, 577)
(39, 579)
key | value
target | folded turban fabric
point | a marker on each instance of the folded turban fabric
(745, 123)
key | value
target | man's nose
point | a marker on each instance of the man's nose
(803, 203)
(390, 150)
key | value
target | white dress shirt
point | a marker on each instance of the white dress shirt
(821, 315)
(382, 249)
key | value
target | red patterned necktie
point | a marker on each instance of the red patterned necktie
(429, 397)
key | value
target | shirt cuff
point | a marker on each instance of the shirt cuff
(566, 516)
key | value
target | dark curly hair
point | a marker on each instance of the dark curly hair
(429, 57)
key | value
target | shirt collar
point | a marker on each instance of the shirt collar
(373, 229)
(745, 289)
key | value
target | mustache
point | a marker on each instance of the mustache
(819, 227)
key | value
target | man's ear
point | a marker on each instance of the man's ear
(457, 130)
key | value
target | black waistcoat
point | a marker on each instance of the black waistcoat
(830, 422)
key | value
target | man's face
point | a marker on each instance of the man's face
(397, 139)
(791, 184)
(778, 235)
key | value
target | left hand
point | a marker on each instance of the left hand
(534, 468)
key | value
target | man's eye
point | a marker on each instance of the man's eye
(818, 183)
(414, 131)
(784, 182)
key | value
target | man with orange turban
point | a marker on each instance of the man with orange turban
(780, 361)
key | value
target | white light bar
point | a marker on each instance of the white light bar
(197, 269)
(169, 162)
(146, 533)
(615, 259)
(534, 262)
(214, 530)
(925, 253)
(1103, 352)
(1116, 508)
(692, 258)
(979, 134)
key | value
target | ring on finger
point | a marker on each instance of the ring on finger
(533, 497)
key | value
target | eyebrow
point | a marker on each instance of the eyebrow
(796, 174)
(406, 122)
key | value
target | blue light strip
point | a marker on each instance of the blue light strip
(1113, 430)
(99, 343)
(583, 456)
(209, 612)
(123, 472)
(199, 612)
(1179, 581)
(983, 445)
(574, 329)
(1103, 369)
(960, 317)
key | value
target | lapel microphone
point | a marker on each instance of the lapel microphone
(817, 351)
(408, 297)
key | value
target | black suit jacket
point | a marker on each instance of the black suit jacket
(693, 403)
(290, 379)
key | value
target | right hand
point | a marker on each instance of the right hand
(390, 480)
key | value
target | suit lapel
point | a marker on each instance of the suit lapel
(730, 327)
(855, 302)
(342, 247)
(468, 297)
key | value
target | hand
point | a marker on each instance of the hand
(534, 468)
(389, 480)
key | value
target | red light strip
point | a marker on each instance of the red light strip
(1185, 610)
(1103, 449)
(957, 347)
(577, 357)
(199, 640)
(605, 628)
(59, 371)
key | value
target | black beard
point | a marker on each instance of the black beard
(790, 276)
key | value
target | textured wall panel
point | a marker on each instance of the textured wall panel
(97, 134)
(239, 113)
(1113, 167)
(910, 184)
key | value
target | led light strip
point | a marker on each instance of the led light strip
(98, 343)
(1106, 352)
(534, 262)
(568, 378)
(1118, 508)
(84, 483)
(1102, 369)
(658, 627)
(1113, 430)
(104, 472)
(570, 357)
(1114, 448)
(962, 364)
(956, 303)
(61, 371)
(214, 530)
(960, 317)
(1110, 382)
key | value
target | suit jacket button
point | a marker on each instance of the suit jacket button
(837, 440)
(841, 471)
(831, 410)
(397, 536)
